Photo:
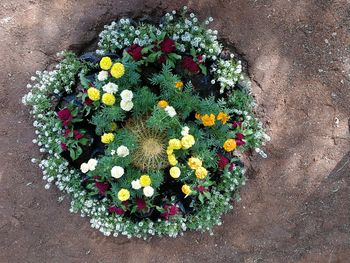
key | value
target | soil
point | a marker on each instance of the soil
(295, 206)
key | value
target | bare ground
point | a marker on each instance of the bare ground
(296, 205)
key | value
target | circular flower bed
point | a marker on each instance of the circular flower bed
(144, 133)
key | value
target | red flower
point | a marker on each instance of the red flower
(135, 51)
(102, 187)
(239, 139)
(190, 65)
(235, 124)
(167, 45)
(141, 204)
(65, 116)
(201, 188)
(63, 146)
(170, 210)
(162, 59)
(77, 135)
(223, 161)
(66, 132)
(200, 58)
(117, 210)
(88, 101)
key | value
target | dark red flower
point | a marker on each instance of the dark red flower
(201, 188)
(65, 116)
(167, 45)
(88, 101)
(77, 135)
(223, 161)
(141, 204)
(102, 187)
(236, 124)
(135, 51)
(239, 139)
(162, 59)
(200, 58)
(116, 210)
(63, 146)
(170, 210)
(190, 64)
(66, 132)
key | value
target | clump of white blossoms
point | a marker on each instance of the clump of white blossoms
(110, 87)
(102, 75)
(170, 110)
(89, 166)
(123, 151)
(148, 191)
(117, 172)
(126, 103)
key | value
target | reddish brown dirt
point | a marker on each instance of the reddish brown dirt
(296, 205)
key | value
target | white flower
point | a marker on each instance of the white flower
(92, 164)
(126, 105)
(126, 95)
(123, 151)
(117, 172)
(185, 131)
(170, 110)
(102, 75)
(113, 152)
(110, 88)
(84, 167)
(148, 191)
(135, 184)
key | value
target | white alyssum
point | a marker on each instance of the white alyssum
(135, 184)
(148, 191)
(185, 131)
(126, 95)
(117, 172)
(126, 105)
(110, 88)
(170, 110)
(123, 151)
(102, 75)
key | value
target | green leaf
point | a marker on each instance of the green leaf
(203, 69)
(72, 154)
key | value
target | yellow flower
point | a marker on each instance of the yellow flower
(201, 172)
(93, 94)
(107, 138)
(179, 84)
(175, 144)
(230, 145)
(106, 63)
(223, 117)
(186, 189)
(169, 151)
(113, 126)
(194, 163)
(172, 159)
(117, 70)
(208, 120)
(187, 141)
(123, 194)
(108, 99)
(198, 116)
(163, 104)
(145, 180)
(175, 172)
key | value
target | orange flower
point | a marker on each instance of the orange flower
(208, 120)
(198, 116)
(230, 145)
(223, 117)
(179, 84)
(163, 104)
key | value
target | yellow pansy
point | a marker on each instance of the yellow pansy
(117, 70)
(93, 94)
(230, 145)
(145, 180)
(123, 194)
(108, 99)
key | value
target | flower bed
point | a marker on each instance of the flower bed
(144, 134)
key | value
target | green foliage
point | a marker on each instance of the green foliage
(102, 119)
(144, 101)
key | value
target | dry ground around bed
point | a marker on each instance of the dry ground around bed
(296, 204)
